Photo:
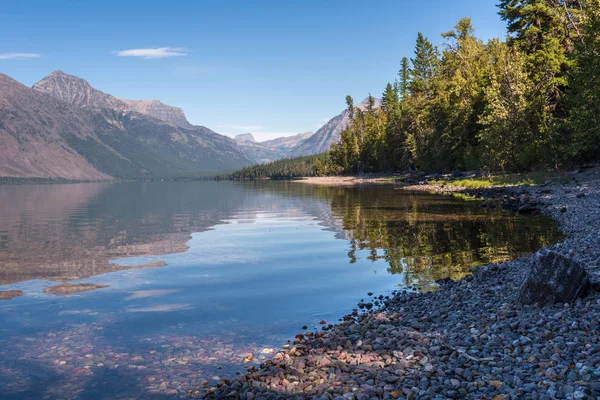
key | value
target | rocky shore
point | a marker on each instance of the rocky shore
(470, 339)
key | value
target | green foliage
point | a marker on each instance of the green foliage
(584, 93)
(389, 99)
(528, 103)
(317, 165)
(424, 65)
(535, 178)
(403, 85)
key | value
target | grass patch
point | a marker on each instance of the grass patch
(533, 178)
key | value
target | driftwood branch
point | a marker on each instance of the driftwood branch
(463, 351)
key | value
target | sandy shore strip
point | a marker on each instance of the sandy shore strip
(369, 179)
(470, 339)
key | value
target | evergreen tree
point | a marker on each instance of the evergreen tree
(370, 104)
(584, 94)
(424, 65)
(405, 76)
(350, 106)
(546, 31)
(389, 98)
(463, 80)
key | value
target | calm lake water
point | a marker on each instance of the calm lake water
(202, 274)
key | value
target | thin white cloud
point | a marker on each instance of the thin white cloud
(18, 56)
(153, 53)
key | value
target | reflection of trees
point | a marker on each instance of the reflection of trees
(429, 237)
(424, 237)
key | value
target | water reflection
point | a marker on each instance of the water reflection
(427, 237)
(240, 267)
(64, 232)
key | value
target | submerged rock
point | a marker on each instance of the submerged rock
(70, 288)
(529, 208)
(554, 278)
(10, 294)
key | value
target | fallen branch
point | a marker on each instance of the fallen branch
(463, 351)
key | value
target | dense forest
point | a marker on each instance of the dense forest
(530, 102)
(317, 165)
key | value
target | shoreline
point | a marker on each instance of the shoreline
(345, 181)
(469, 339)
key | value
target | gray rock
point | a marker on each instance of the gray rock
(554, 278)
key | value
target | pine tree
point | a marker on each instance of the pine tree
(584, 92)
(389, 98)
(546, 31)
(370, 104)
(424, 65)
(404, 74)
(350, 106)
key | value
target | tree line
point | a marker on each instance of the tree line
(315, 165)
(531, 101)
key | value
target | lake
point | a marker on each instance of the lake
(200, 275)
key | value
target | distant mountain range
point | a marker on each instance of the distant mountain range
(65, 128)
(269, 150)
(303, 144)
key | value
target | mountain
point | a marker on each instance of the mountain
(77, 91)
(258, 154)
(245, 138)
(286, 143)
(80, 93)
(159, 110)
(328, 134)
(269, 150)
(33, 135)
(65, 128)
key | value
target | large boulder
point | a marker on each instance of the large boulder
(554, 278)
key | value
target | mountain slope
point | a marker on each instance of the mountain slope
(328, 134)
(79, 135)
(286, 143)
(33, 132)
(269, 150)
(159, 110)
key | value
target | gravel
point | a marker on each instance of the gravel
(469, 339)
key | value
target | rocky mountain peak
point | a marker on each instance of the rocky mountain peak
(245, 138)
(159, 110)
(77, 92)
(80, 93)
(58, 72)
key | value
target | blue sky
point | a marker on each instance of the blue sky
(273, 68)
